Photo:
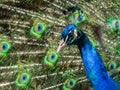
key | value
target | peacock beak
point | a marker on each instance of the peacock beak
(62, 44)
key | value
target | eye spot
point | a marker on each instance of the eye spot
(39, 27)
(23, 80)
(51, 58)
(4, 46)
(69, 84)
(24, 77)
(116, 24)
(79, 17)
(111, 65)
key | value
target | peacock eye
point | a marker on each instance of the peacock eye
(111, 65)
(4, 47)
(116, 24)
(69, 84)
(71, 35)
(51, 58)
(79, 18)
(22, 80)
(38, 29)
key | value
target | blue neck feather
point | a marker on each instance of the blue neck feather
(94, 67)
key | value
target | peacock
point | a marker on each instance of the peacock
(94, 66)
(29, 36)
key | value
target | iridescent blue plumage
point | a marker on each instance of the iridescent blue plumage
(93, 64)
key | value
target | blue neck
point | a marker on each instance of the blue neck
(94, 67)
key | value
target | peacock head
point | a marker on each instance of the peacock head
(69, 36)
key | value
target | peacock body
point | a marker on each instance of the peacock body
(94, 66)
(29, 36)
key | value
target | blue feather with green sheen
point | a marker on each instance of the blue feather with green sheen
(95, 69)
